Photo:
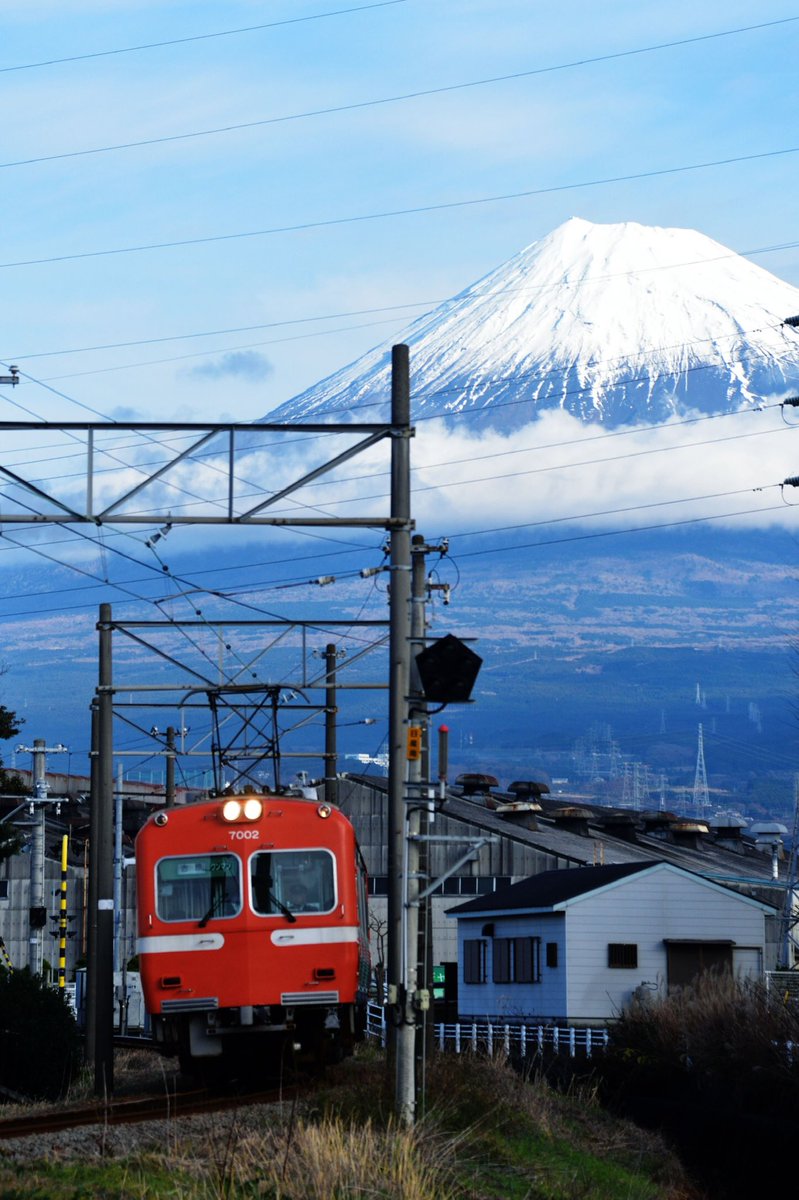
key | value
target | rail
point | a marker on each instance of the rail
(493, 1037)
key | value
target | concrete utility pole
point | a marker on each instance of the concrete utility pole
(169, 787)
(399, 659)
(406, 1031)
(100, 968)
(417, 971)
(91, 898)
(331, 718)
(38, 911)
(119, 805)
(37, 915)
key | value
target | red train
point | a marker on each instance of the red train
(252, 931)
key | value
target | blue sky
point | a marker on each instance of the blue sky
(230, 326)
(722, 97)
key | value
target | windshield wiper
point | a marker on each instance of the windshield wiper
(216, 904)
(286, 911)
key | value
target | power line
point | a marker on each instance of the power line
(231, 594)
(604, 533)
(571, 285)
(414, 210)
(435, 487)
(611, 512)
(201, 37)
(571, 444)
(354, 106)
(627, 432)
(297, 337)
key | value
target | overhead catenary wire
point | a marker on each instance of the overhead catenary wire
(570, 285)
(354, 106)
(619, 431)
(550, 467)
(646, 451)
(574, 518)
(121, 587)
(200, 37)
(443, 485)
(387, 214)
(495, 381)
(192, 581)
(164, 569)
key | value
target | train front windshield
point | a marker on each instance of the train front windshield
(293, 881)
(198, 887)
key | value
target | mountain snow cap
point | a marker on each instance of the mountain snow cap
(619, 324)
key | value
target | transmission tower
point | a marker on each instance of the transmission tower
(701, 794)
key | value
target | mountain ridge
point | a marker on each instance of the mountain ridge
(617, 324)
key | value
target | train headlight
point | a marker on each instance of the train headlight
(249, 809)
(231, 810)
(324, 810)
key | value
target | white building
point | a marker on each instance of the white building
(574, 945)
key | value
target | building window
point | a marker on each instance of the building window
(552, 954)
(503, 960)
(474, 961)
(517, 960)
(3, 889)
(527, 959)
(622, 954)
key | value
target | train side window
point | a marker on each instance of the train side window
(198, 887)
(297, 881)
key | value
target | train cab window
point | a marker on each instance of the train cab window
(293, 881)
(198, 887)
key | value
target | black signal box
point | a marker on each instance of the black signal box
(448, 670)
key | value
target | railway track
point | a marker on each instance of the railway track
(166, 1106)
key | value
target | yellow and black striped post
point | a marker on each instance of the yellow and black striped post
(62, 918)
(4, 958)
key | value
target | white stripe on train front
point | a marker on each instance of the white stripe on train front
(177, 942)
(314, 937)
(181, 942)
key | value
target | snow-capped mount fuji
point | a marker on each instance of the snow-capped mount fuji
(618, 324)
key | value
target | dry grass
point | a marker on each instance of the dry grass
(331, 1159)
(719, 1027)
(489, 1135)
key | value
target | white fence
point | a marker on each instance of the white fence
(493, 1037)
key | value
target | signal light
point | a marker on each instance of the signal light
(414, 752)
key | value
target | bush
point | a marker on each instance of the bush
(39, 1046)
(716, 1066)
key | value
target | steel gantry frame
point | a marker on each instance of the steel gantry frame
(33, 503)
(226, 458)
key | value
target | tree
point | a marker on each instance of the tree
(10, 723)
(11, 839)
(39, 1045)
